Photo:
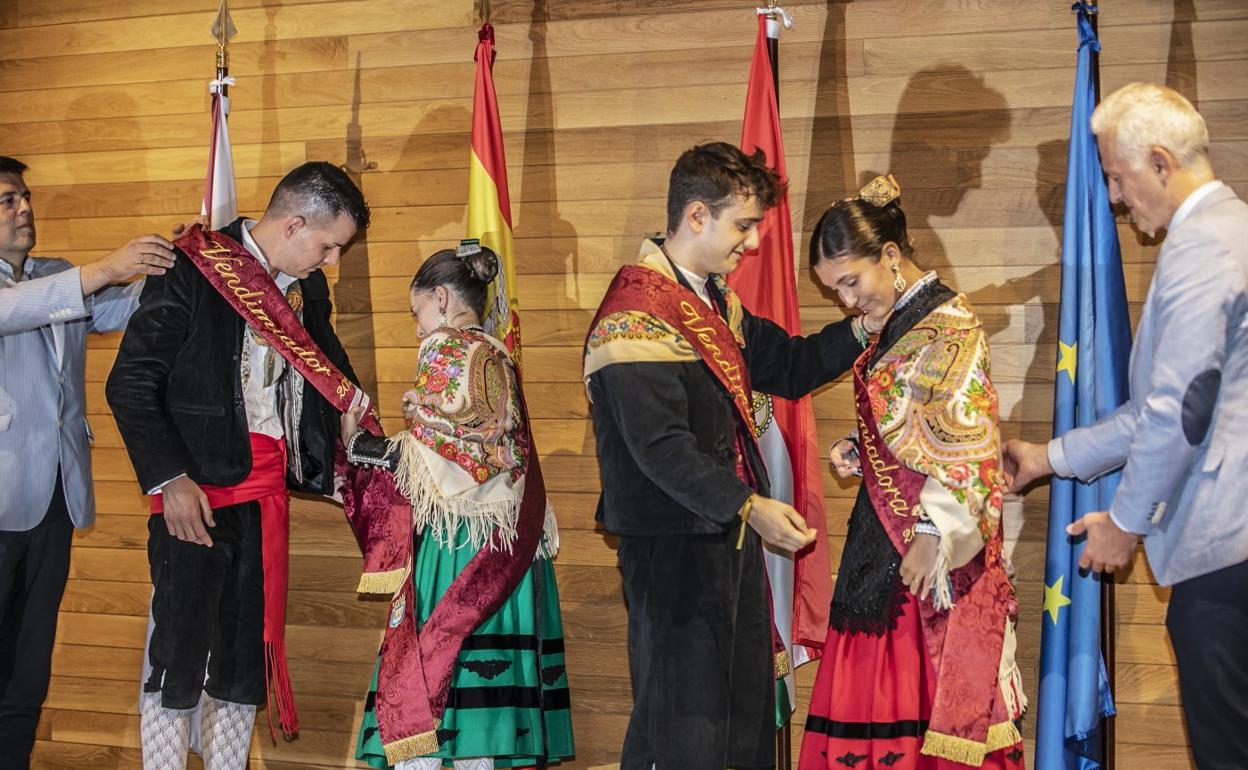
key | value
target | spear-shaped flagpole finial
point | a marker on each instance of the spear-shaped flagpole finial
(223, 29)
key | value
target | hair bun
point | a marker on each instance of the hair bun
(483, 265)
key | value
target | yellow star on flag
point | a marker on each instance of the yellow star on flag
(1054, 600)
(1067, 358)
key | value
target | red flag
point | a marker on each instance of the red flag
(767, 285)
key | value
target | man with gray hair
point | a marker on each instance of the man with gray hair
(226, 390)
(1180, 437)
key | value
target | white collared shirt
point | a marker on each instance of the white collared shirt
(698, 282)
(1185, 208)
(261, 402)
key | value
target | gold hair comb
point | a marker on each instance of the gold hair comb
(880, 191)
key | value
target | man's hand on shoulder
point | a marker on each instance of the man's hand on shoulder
(779, 524)
(187, 513)
(146, 255)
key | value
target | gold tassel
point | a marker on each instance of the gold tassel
(784, 664)
(953, 748)
(413, 746)
(381, 582)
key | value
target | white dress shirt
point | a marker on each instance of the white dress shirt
(698, 282)
(261, 402)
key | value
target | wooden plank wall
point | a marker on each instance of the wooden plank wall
(966, 102)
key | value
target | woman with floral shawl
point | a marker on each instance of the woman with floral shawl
(452, 517)
(918, 670)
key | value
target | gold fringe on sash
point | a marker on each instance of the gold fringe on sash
(970, 752)
(1003, 736)
(381, 582)
(413, 746)
(953, 748)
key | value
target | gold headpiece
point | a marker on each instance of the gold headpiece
(880, 191)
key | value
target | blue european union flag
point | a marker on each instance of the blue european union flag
(1094, 344)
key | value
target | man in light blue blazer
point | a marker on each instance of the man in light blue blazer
(47, 306)
(1182, 437)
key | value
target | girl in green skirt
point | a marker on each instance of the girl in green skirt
(472, 568)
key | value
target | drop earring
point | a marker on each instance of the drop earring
(899, 283)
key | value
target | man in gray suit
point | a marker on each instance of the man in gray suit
(47, 306)
(1182, 437)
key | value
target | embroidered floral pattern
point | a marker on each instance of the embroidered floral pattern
(934, 402)
(464, 405)
(627, 325)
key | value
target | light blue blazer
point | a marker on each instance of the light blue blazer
(1182, 437)
(44, 321)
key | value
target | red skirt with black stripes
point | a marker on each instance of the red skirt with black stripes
(872, 698)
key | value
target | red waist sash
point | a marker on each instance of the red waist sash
(266, 484)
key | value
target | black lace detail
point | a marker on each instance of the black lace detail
(868, 593)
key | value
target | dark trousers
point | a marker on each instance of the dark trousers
(208, 609)
(700, 653)
(33, 568)
(1208, 623)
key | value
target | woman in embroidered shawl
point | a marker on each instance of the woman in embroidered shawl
(462, 463)
(918, 670)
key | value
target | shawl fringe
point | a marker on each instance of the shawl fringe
(548, 546)
(942, 582)
(441, 516)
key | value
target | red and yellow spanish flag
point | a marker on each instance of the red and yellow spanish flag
(489, 205)
(765, 281)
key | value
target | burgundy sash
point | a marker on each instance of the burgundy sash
(637, 288)
(247, 286)
(964, 643)
(640, 288)
(414, 677)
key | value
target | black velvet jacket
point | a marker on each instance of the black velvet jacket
(176, 388)
(666, 431)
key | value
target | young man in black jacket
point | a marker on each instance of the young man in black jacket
(218, 426)
(671, 362)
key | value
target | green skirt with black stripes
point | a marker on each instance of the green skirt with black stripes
(509, 693)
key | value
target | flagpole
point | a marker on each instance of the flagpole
(775, 18)
(1108, 603)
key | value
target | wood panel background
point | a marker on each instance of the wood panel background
(966, 102)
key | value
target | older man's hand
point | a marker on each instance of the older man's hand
(1108, 547)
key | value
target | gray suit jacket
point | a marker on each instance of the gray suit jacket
(1183, 434)
(44, 321)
